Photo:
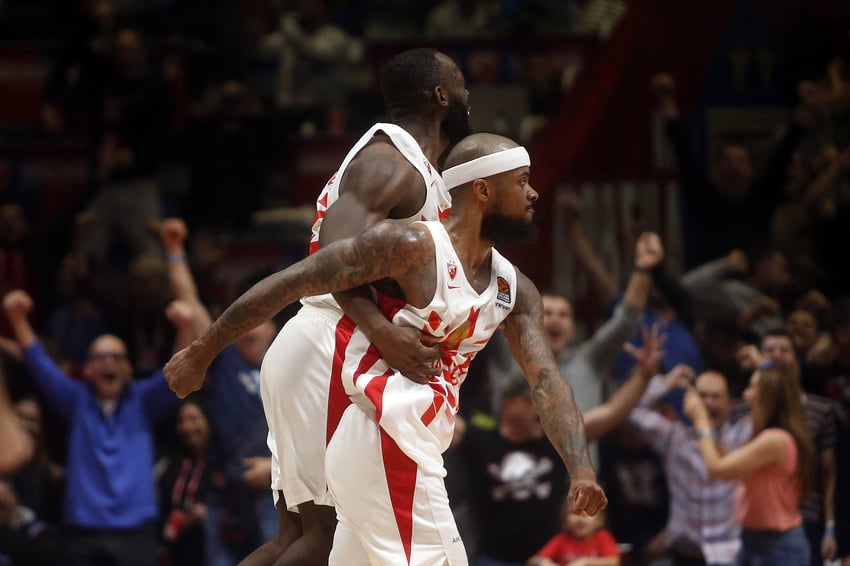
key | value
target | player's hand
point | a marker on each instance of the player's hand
(186, 370)
(586, 497)
(409, 351)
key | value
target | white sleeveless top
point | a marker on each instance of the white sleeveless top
(421, 418)
(437, 205)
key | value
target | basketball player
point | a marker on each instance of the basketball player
(384, 461)
(389, 173)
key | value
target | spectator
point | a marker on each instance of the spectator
(775, 468)
(24, 537)
(18, 255)
(40, 480)
(463, 19)
(588, 364)
(515, 486)
(75, 82)
(239, 513)
(77, 320)
(314, 59)
(732, 191)
(130, 132)
(139, 317)
(229, 149)
(818, 508)
(808, 203)
(183, 488)
(110, 507)
(700, 529)
(752, 303)
(583, 542)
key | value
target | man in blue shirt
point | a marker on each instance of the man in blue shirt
(110, 507)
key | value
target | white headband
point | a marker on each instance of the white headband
(485, 166)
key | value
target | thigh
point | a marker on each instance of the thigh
(399, 514)
(347, 550)
(294, 381)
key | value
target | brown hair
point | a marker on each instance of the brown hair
(778, 404)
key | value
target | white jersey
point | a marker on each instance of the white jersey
(438, 201)
(421, 418)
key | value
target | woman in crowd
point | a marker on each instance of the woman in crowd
(775, 468)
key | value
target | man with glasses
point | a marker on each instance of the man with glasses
(110, 508)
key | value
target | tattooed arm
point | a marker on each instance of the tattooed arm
(387, 250)
(552, 396)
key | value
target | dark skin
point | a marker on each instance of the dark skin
(405, 254)
(380, 183)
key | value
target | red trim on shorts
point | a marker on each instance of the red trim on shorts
(400, 471)
(338, 400)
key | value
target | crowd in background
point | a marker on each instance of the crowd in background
(100, 299)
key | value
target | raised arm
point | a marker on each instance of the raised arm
(387, 250)
(763, 450)
(379, 183)
(552, 396)
(600, 420)
(173, 233)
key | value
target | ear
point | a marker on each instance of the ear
(482, 190)
(441, 95)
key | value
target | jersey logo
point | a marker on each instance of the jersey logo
(452, 269)
(504, 290)
(427, 165)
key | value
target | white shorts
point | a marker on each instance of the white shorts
(390, 512)
(295, 384)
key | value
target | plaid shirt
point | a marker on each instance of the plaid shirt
(702, 510)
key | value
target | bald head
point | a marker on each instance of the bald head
(477, 145)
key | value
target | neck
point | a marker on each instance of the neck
(426, 131)
(465, 231)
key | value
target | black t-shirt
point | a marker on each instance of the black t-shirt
(516, 492)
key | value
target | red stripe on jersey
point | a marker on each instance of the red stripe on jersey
(374, 391)
(389, 305)
(338, 400)
(401, 479)
(432, 411)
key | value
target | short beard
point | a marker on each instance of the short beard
(456, 123)
(501, 230)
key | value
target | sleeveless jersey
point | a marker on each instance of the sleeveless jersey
(421, 417)
(438, 201)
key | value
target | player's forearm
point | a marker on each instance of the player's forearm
(339, 266)
(553, 398)
(358, 304)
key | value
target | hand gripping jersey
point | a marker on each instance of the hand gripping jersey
(437, 204)
(297, 368)
(421, 418)
(384, 462)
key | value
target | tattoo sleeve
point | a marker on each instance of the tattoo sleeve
(551, 393)
(387, 250)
